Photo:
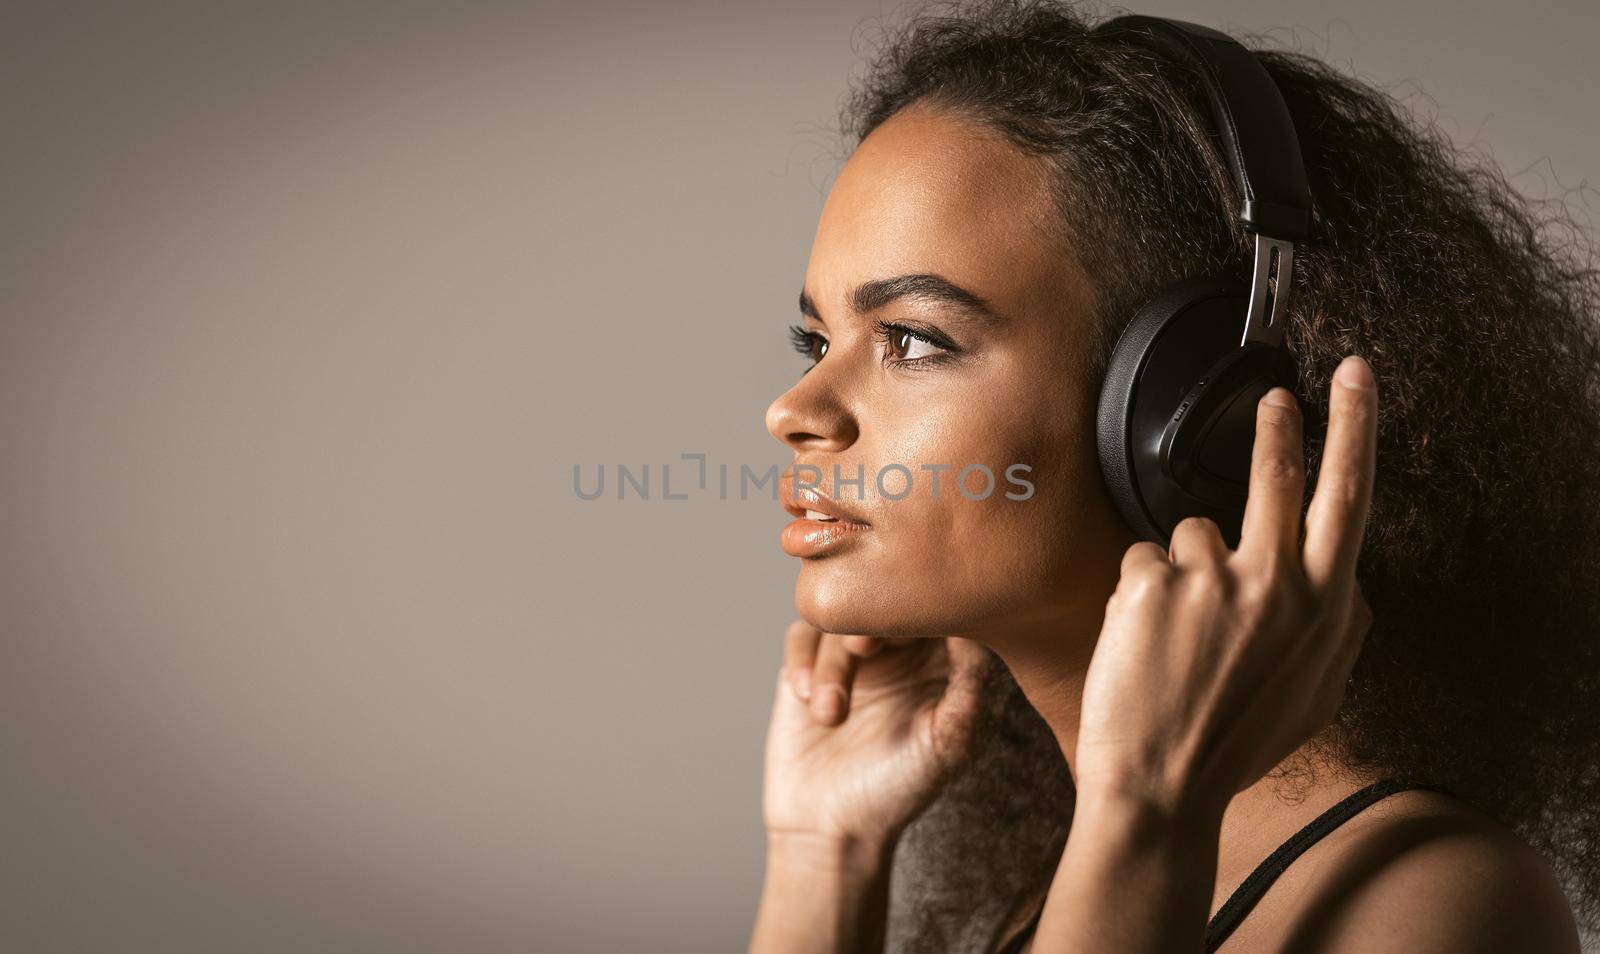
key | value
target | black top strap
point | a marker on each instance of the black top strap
(1250, 890)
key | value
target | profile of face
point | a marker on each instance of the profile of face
(946, 329)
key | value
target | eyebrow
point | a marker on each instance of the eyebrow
(871, 295)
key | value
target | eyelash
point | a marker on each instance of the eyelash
(886, 331)
(806, 343)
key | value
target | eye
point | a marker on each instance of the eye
(905, 346)
(908, 347)
(808, 343)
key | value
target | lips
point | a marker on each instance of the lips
(809, 501)
(823, 525)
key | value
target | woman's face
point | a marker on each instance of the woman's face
(911, 385)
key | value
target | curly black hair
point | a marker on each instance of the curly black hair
(1475, 307)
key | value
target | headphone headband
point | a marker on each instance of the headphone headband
(1249, 113)
(1261, 148)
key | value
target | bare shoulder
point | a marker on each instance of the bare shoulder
(1423, 871)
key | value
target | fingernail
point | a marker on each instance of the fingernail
(830, 702)
(1280, 397)
(1354, 373)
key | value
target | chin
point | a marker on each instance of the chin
(837, 598)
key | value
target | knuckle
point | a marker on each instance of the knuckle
(1143, 553)
(1143, 581)
(1144, 590)
(1279, 468)
(1140, 549)
(1204, 585)
(1197, 524)
(1210, 577)
(861, 645)
(1275, 417)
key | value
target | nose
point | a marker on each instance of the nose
(810, 416)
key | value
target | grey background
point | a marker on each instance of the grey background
(307, 312)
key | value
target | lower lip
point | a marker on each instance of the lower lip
(814, 538)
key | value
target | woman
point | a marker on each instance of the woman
(1113, 736)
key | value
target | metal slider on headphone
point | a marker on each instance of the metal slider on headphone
(1269, 291)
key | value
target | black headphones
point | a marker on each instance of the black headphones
(1177, 411)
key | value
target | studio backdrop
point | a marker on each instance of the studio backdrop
(319, 323)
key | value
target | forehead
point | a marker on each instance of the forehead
(931, 191)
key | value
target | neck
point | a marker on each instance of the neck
(1048, 654)
(1049, 667)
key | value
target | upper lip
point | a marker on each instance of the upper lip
(798, 500)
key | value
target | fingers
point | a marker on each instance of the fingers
(831, 676)
(799, 654)
(1196, 540)
(1141, 554)
(820, 667)
(862, 646)
(1337, 519)
(1271, 525)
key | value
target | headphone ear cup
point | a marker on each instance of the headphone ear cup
(1207, 444)
(1172, 430)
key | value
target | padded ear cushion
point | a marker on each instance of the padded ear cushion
(1188, 332)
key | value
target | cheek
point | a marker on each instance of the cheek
(959, 548)
(1016, 542)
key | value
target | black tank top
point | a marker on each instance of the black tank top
(1249, 891)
